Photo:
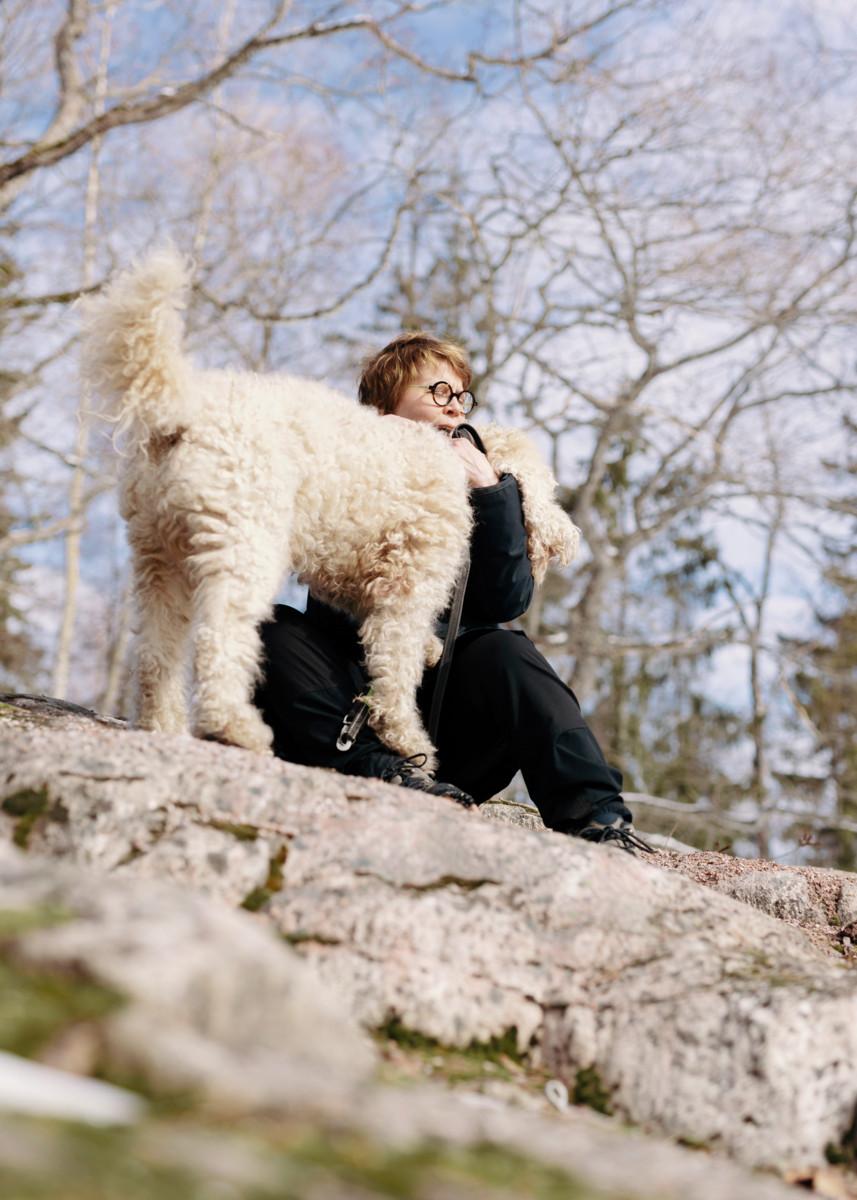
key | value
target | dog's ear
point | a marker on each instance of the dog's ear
(551, 533)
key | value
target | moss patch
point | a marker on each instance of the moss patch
(758, 967)
(94, 1164)
(844, 1153)
(291, 1163)
(35, 1006)
(243, 833)
(498, 1058)
(690, 1143)
(14, 713)
(434, 1169)
(504, 1046)
(297, 937)
(590, 1091)
(14, 921)
(27, 805)
(259, 897)
(394, 1031)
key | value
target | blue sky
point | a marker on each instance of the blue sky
(150, 188)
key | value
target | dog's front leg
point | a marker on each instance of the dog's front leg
(433, 651)
(394, 642)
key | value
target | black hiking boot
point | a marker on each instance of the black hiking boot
(409, 773)
(612, 823)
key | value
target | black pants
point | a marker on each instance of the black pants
(505, 709)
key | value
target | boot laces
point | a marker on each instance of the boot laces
(406, 768)
(409, 772)
(624, 836)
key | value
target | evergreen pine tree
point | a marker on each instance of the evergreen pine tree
(825, 680)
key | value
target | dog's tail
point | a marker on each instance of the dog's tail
(132, 359)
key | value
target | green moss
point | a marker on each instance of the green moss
(589, 1090)
(844, 1153)
(28, 805)
(837, 1156)
(505, 1045)
(163, 1101)
(14, 713)
(244, 833)
(35, 1006)
(274, 882)
(759, 968)
(394, 1031)
(298, 936)
(483, 1170)
(14, 922)
(291, 1164)
(693, 1143)
(97, 1164)
(499, 1055)
(259, 897)
(256, 900)
(133, 854)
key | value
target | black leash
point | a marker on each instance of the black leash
(465, 431)
(357, 715)
(446, 656)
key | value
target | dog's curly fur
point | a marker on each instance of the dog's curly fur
(232, 479)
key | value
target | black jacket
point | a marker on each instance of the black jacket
(500, 585)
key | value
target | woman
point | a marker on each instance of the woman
(504, 708)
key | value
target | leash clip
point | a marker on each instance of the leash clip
(353, 722)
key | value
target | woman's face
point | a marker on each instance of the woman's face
(417, 404)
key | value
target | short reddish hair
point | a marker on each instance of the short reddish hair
(388, 372)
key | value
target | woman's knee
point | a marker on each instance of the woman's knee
(503, 665)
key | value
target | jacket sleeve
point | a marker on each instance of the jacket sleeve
(500, 585)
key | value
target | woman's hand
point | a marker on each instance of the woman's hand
(477, 468)
(479, 471)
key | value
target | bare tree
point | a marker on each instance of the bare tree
(653, 262)
(750, 599)
(638, 214)
(78, 475)
(91, 131)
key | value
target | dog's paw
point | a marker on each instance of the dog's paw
(162, 718)
(246, 730)
(168, 725)
(434, 649)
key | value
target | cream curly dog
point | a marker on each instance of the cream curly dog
(232, 479)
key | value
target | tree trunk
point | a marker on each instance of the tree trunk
(76, 502)
(584, 630)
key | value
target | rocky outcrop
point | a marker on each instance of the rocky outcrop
(171, 991)
(678, 1008)
(820, 901)
(206, 1000)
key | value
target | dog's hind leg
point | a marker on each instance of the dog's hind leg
(236, 571)
(163, 618)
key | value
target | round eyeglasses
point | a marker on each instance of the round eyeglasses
(442, 393)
